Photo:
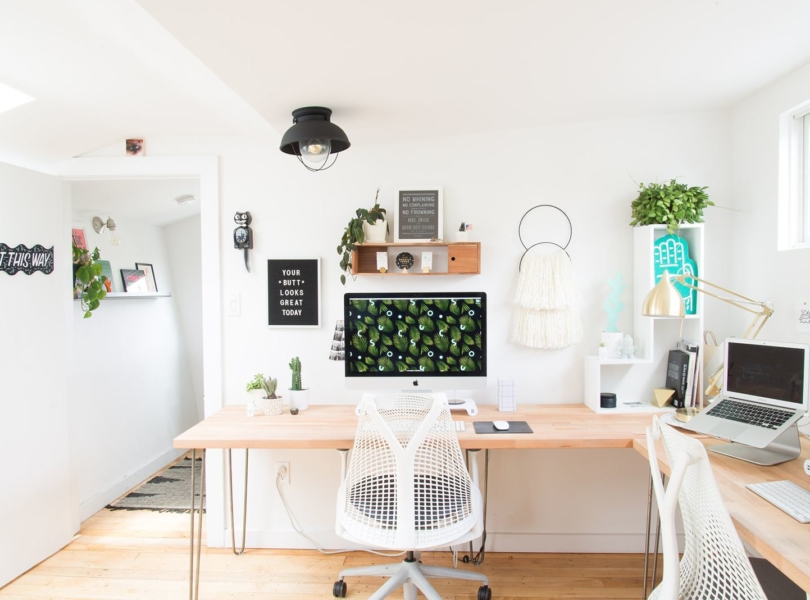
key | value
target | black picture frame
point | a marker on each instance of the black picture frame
(134, 281)
(294, 292)
(147, 268)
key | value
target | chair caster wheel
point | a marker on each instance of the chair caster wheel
(484, 593)
(339, 589)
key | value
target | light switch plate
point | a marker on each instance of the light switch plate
(233, 307)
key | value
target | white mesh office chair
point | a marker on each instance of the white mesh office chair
(714, 563)
(407, 488)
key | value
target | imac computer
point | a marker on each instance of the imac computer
(416, 342)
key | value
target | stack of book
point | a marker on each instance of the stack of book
(683, 374)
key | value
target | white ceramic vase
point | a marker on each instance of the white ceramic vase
(376, 232)
(613, 342)
(299, 399)
(270, 406)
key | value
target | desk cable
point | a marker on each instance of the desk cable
(298, 529)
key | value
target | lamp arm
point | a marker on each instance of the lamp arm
(765, 309)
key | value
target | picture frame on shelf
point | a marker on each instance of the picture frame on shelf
(419, 214)
(151, 282)
(79, 239)
(106, 270)
(134, 281)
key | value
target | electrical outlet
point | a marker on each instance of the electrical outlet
(283, 472)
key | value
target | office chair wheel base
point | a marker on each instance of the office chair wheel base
(339, 589)
(484, 593)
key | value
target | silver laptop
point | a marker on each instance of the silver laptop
(765, 391)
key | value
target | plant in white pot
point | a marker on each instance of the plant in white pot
(263, 392)
(299, 398)
(368, 226)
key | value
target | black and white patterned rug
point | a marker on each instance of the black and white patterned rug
(170, 491)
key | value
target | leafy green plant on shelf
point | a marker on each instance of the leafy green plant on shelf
(354, 234)
(669, 204)
(266, 384)
(88, 282)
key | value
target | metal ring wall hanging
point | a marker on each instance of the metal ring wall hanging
(527, 248)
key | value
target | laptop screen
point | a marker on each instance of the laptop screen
(767, 371)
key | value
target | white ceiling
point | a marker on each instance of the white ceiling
(428, 68)
(150, 201)
(102, 70)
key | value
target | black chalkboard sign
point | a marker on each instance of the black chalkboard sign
(418, 215)
(294, 292)
(27, 260)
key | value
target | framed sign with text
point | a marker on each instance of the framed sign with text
(418, 214)
(25, 259)
(294, 292)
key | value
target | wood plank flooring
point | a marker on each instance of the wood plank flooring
(139, 554)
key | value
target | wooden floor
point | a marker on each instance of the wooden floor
(140, 554)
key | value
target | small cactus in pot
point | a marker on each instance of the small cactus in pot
(299, 397)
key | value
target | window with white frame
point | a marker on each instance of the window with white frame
(794, 178)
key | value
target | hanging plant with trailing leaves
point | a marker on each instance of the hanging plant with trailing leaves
(669, 204)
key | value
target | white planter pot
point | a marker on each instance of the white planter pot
(374, 233)
(462, 236)
(613, 342)
(270, 406)
(299, 399)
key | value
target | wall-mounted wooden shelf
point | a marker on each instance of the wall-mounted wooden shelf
(449, 258)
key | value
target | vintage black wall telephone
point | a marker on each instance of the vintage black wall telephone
(242, 235)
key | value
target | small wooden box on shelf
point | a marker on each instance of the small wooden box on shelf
(450, 258)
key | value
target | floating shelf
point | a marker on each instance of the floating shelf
(135, 295)
(449, 258)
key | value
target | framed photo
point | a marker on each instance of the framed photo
(78, 238)
(134, 280)
(419, 214)
(294, 292)
(106, 270)
(151, 283)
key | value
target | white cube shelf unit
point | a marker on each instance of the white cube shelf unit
(633, 380)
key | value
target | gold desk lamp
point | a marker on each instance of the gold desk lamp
(665, 301)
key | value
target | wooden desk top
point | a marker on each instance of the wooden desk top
(781, 539)
(333, 426)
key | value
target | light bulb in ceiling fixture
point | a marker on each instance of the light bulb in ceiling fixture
(115, 239)
(315, 152)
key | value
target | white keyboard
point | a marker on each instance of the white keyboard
(459, 425)
(786, 496)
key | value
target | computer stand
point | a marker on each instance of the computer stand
(784, 448)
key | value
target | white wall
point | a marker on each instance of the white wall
(37, 500)
(139, 395)
(587, 169)
(185, 261)
(760, 271)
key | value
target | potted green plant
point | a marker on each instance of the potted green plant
(89, 285)
(299, 398)
(368, 225)
(669, 204)
(263, 394)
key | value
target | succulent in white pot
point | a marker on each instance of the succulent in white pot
(263, 392)
(299, 398)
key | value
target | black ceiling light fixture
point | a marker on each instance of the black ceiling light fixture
(313, 138)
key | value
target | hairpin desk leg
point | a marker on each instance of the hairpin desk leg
(647, 538)
(244, 508)
(647, 576)
(194, 575)
(478, 559)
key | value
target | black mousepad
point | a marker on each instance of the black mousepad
(514, 427)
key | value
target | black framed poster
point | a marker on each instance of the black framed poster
(418, 214)
(294, 292)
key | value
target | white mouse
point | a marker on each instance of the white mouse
(807, 467)
(500, 425)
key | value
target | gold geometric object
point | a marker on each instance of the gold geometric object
(661, 396)
(684, 415)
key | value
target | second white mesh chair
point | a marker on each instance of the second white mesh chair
(714, 563)
(407, 488)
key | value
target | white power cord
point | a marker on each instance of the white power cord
(297, 527)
